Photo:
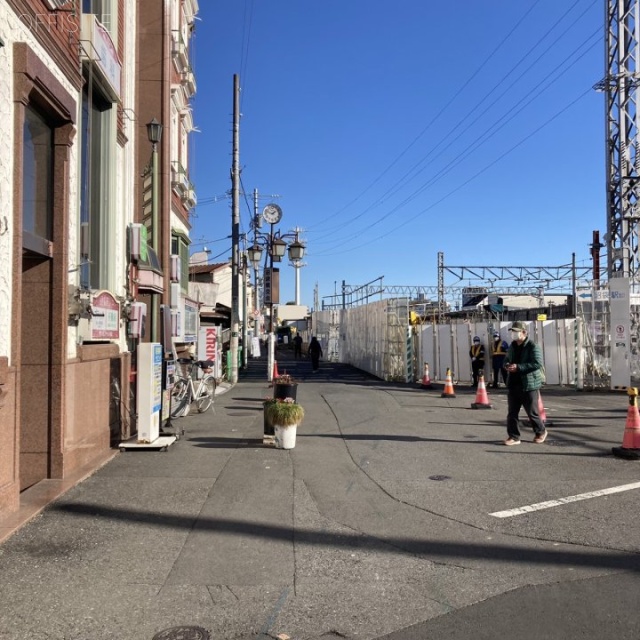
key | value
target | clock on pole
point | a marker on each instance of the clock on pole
(272, 213)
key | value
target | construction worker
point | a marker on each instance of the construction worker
(476, 353)
(498, 352)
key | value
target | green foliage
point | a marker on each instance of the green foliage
(285, 412)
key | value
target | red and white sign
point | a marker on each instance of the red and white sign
(210, 342)
(105, 317)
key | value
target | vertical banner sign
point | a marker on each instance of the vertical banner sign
(267, 286)
(275, 286)
(620, 335)
(209, 347)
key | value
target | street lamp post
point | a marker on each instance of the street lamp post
(275, 244)
(154, 134)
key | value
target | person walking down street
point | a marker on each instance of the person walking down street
(498, 353)
(525, 367)
(476, 353)
(315, 353)
(297, 346)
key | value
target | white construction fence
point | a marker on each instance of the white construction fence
(379, 339)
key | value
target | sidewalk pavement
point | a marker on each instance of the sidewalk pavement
(354, 533)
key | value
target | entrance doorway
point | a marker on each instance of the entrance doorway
(35, 369)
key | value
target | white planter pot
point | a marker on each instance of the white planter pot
(285, 436)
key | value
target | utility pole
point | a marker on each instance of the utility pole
(257, 221)
(235, 232)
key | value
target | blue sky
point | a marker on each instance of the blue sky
(391, 131)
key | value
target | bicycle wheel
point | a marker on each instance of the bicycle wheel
(180, 397)
(206, 392)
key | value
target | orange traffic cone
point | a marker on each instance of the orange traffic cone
(482, 399)
(426, 380)
(542, 413)
(275, 369)
(448, 386)
(630, 448)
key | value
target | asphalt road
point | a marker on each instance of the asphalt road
(380, 523)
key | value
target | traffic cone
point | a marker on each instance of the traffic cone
(275, 369)
(448, 386)
(542, 413)
(426, 380)
(630, 448)
(482, 399)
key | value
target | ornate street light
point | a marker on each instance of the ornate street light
(154, 132)
(255, 255)
(275, 244)
(278, 248)
(296, 250)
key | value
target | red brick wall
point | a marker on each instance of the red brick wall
(57, 31)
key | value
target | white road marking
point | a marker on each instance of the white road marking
(556, 503)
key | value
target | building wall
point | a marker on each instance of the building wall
(36, 64)
(55, 394)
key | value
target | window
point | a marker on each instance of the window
(37, 186)
(105, 11)
(180, 247)
(96, 202)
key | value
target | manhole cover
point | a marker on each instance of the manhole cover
(563, 443)
(183, 633)
(439, 477)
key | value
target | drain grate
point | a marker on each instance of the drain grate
(439, 478)
(183, 633)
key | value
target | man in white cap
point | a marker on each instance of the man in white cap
(524, 366)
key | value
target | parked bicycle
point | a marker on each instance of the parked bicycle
(187, 389)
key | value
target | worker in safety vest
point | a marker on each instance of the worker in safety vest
(498, 352)
(476, 353)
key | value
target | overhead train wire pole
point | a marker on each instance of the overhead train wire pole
(533, 278)
(620, 86)
(561, 275)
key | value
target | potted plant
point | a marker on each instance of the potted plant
(285, 414)
(284, 386)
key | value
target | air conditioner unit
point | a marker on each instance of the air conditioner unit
(175, 295)
(58, 4)
(175, 268)
(175, 323)
(137, 320)
(136, 233)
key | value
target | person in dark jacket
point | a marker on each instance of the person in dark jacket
(476, 353)
(525, 375)
(315, 353)
(297, 346)
(498, 353)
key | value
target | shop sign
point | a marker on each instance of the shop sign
(105, 317)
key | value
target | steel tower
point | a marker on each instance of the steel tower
(623, 162)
